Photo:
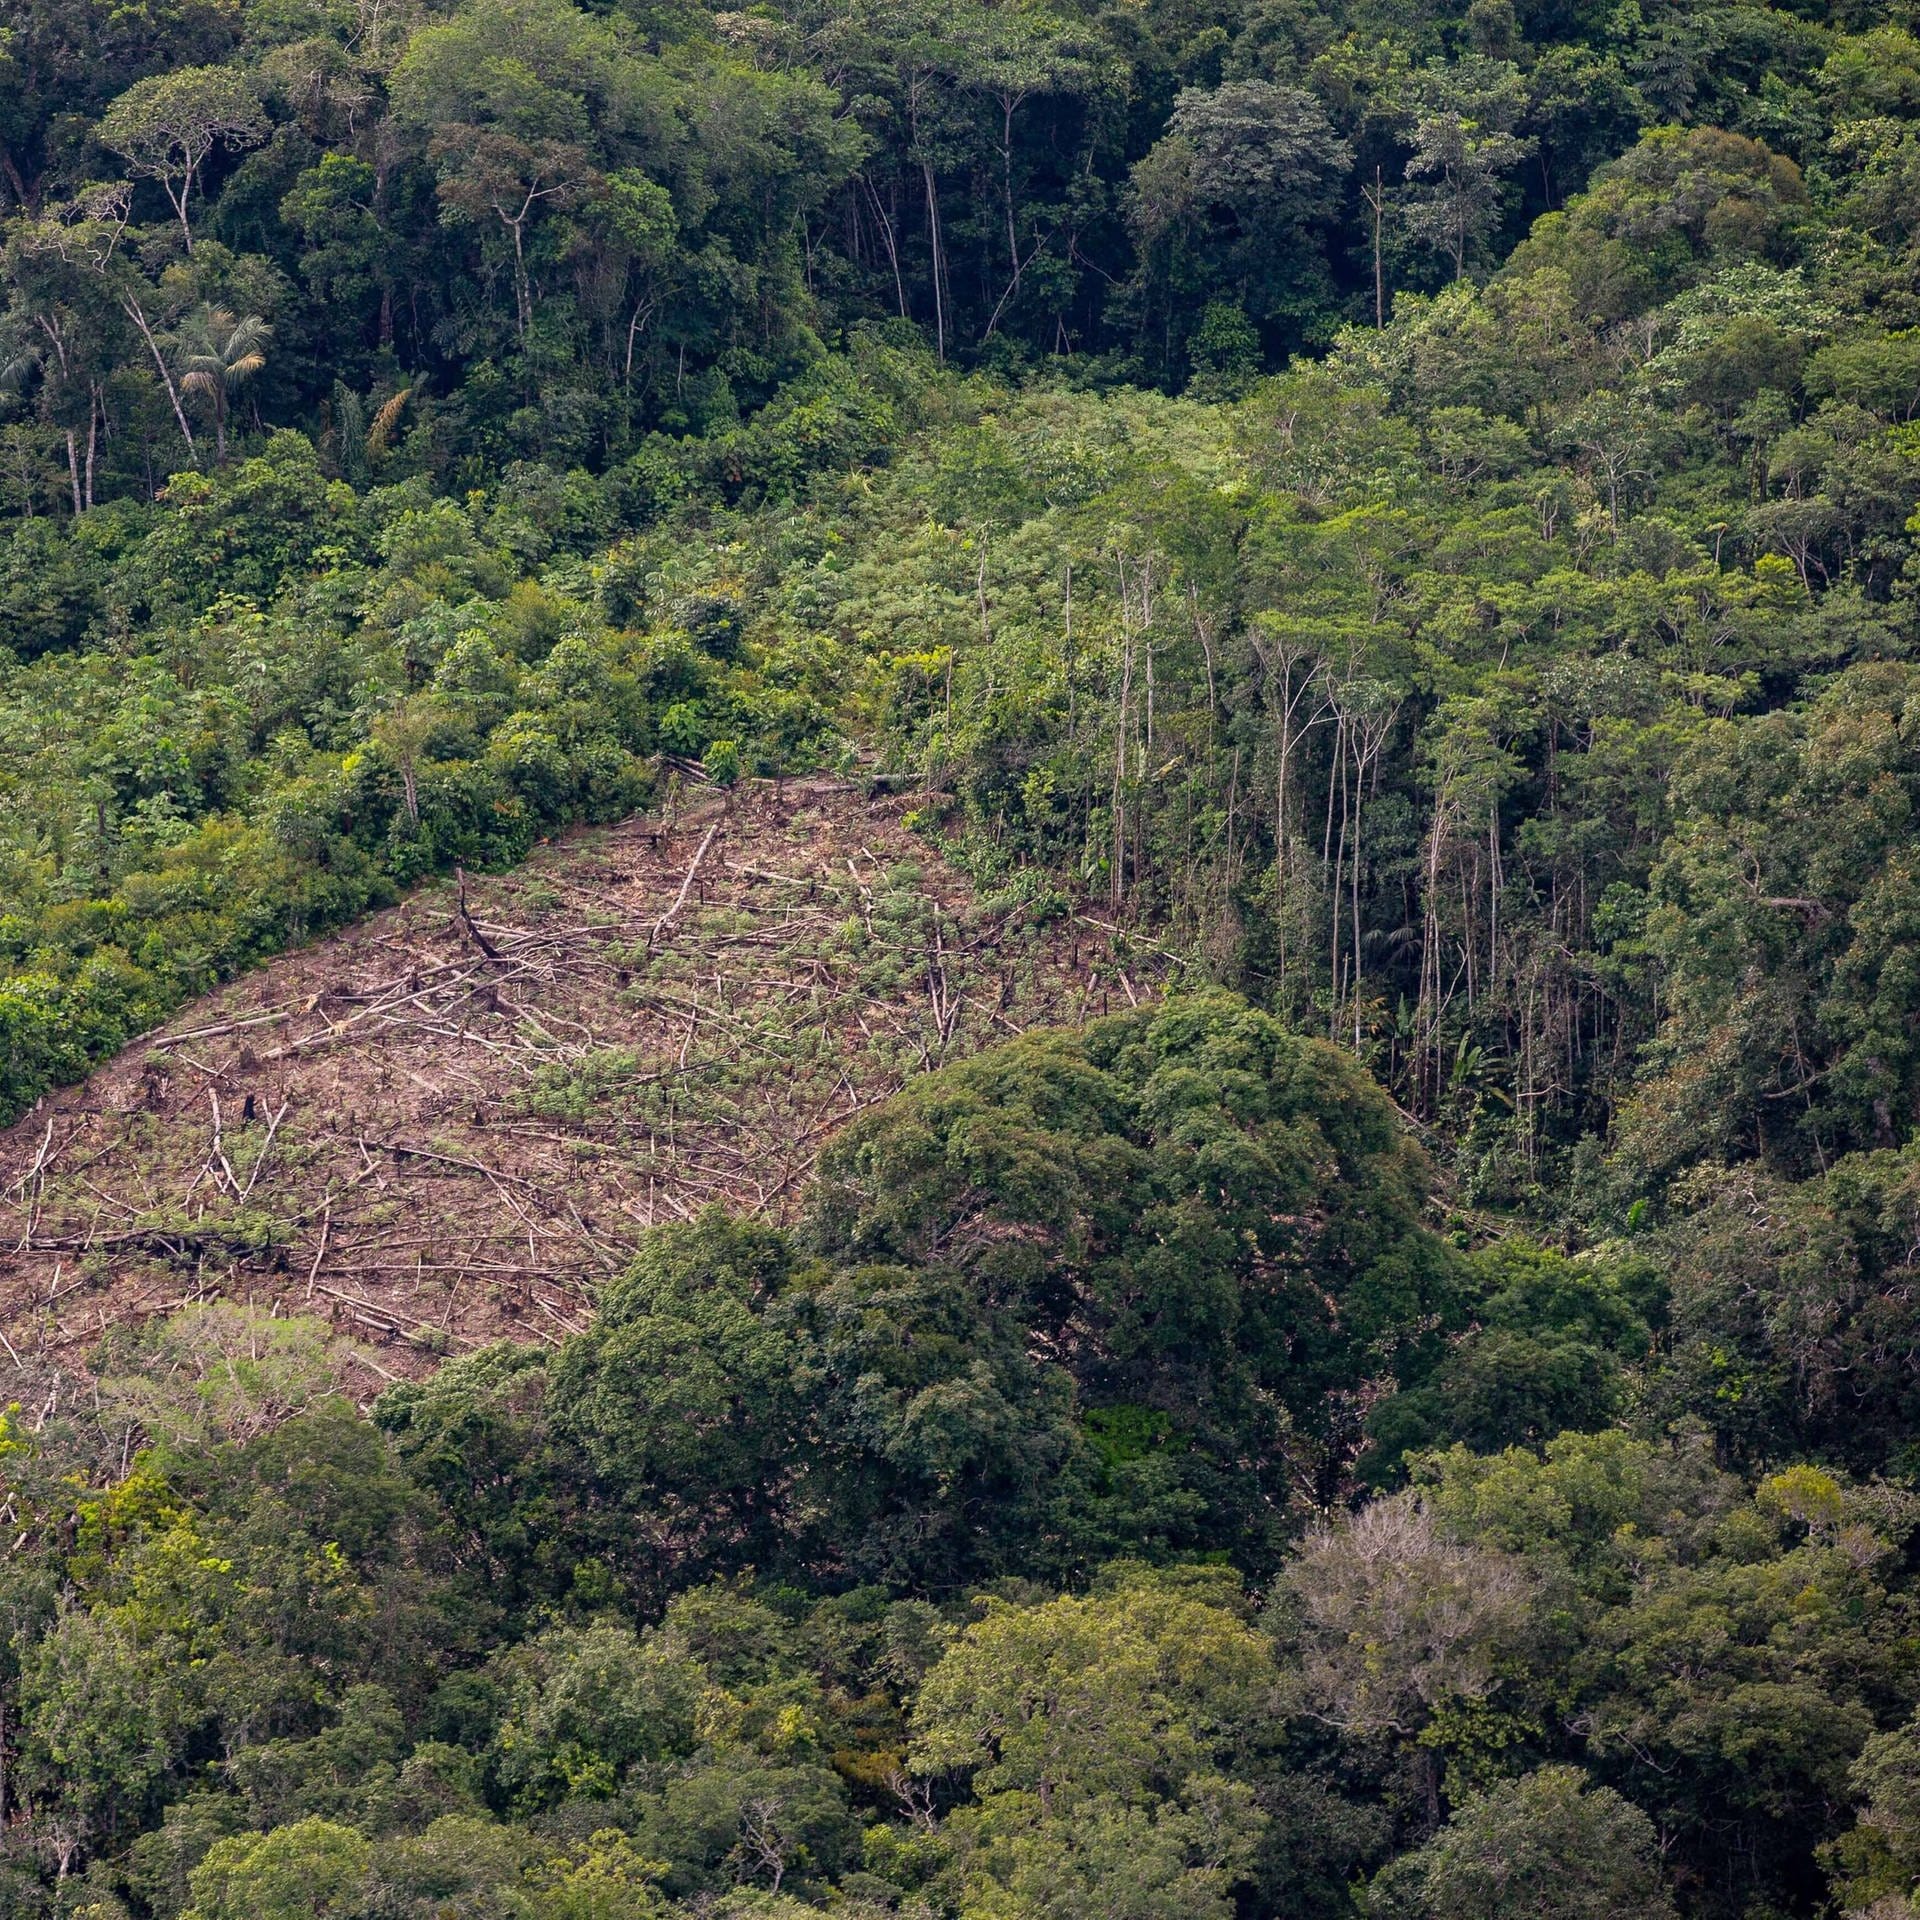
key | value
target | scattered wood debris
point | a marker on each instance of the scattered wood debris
(451, 1123)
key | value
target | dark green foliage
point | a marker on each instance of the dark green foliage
(1548, 1352)
(1791, 1305)
(1407, 511)
(1100, 1289)
(1805, 1047)
(1199, 1211)
(757, 1586)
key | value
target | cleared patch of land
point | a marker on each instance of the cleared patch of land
(450, 1123)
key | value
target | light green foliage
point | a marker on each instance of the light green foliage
(1096, 1733)
(1137, 1685)
(585, 1706)
(220, 1370)
(312, 1869)
(608, 1880)
(104, 1719)
(1550, 1847)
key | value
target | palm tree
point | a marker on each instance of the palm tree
(217, 355)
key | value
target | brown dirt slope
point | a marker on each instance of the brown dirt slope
(443, 1127)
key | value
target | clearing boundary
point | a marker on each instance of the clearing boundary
(449, 1123)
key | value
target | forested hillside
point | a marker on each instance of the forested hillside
(1382, 532)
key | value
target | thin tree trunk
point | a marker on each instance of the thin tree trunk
(521, 302)
(1359, 801)
(1337, 777)
(893, 252)
(1073, 691)
(134, 312)
(1493, 890)
(1006, 174)
(1116, 883)
(1204, 634)
(1233, 801)
(642, 312)
(1287, 700)
(1374, 731)
(933, 235)
(1376, 198)
(1426, 1033)
(180, 207)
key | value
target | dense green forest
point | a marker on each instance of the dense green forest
(1407, 509)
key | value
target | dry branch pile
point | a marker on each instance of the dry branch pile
(448, 1124)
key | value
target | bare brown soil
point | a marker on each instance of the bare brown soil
(449, 1124)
